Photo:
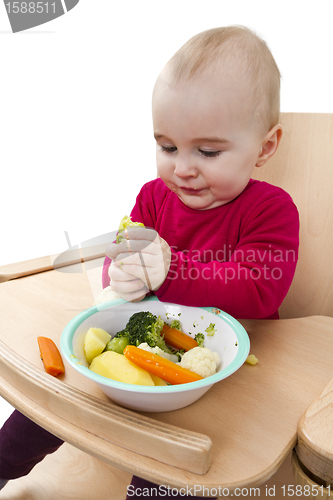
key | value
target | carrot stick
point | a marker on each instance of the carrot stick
(177, 339)
(50, 356)
(163, 368)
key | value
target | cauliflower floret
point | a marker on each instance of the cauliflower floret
(201, 360)
(106, 295)
(160, 352)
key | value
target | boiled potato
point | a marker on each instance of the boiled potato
(251, 359)
(112, 365)
(157, 380)
(95, 342)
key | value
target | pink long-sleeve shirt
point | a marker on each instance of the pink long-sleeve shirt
(239, 257)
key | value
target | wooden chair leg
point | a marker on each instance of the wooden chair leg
(69, 474)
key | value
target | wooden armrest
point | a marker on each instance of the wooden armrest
(47, 263)
(166, 443)
(315, 438)
(25, 268)
(88, 250)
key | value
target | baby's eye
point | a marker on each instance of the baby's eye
(209, 154)
(168, 149)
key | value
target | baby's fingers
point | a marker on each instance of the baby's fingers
(111, 251)
(117, 273)
(125, 287)
(134, 296)
(140, 233)
(132, 290)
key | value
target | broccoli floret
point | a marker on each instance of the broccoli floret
(175, 323)
(179, 353)
(200, 338)
(144, 327)
(125, 223)
(117, 344)
(210, 330)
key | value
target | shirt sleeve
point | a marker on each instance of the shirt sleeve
(258, 274)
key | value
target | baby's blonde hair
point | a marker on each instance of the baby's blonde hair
(244, 50)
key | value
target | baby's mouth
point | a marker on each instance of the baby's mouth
(187, 190)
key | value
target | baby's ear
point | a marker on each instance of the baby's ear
(269, 145)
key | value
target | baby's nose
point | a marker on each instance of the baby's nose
(184, 167)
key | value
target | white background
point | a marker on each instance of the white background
(76, 139)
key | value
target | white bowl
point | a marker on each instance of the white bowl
(230, 341)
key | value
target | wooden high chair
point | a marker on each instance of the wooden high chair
(303, 166)
(242, 432)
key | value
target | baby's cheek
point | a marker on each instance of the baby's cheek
(164, 169)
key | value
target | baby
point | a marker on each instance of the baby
(218, 238)
(213, 236)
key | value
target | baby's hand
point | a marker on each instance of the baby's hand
(143, 254)
(129, 287)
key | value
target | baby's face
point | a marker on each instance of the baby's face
(207, 140)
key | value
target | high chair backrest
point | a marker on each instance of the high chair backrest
(303, 166)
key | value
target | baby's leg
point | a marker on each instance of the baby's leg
(23, 444)
(3, 483)
(140, 488)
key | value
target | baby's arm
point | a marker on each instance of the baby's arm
(257, 276)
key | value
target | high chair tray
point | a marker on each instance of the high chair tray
(236, 435)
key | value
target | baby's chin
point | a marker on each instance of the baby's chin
(196, 201)
(202, 204)
(194, 204)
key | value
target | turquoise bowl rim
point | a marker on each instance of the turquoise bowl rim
(67, 351)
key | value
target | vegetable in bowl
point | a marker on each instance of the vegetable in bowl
(163, 352)
(201, 360)
(230, 341)
(144, 326)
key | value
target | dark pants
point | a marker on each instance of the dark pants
(23, 444)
